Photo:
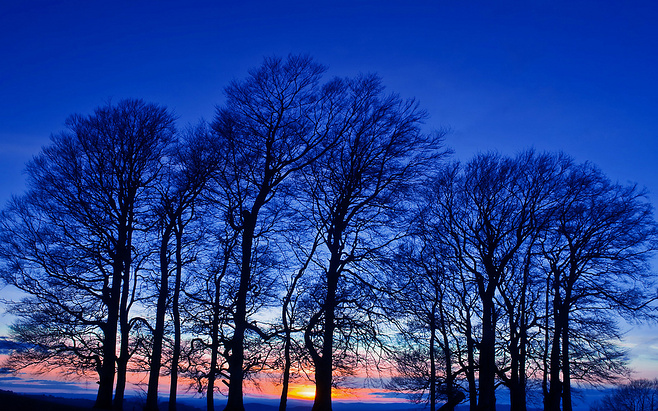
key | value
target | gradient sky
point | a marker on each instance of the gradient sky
(576, 76)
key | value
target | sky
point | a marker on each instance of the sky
(573, 76)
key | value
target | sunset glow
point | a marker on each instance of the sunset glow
(302, 392)
(331, 205)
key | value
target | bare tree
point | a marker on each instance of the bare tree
(189, 169)
(489, 214)
(356, 198)
(69, 241)
(427, 304)
(208, 305)
(597, 260)
(274, 123)
(291, 320)
(637, 395)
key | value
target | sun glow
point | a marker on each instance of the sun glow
(302, 392)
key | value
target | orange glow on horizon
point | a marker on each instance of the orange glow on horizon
(302, 392)
(307, 392)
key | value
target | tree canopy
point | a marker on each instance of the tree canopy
(313, 230)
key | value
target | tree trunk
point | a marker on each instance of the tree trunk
(487, 374)
(566, 371)
(454, 397)
(106, 374)
(470, 369)
(521, 400)
(214, 354)
(107, 371)
(122, 363)
(286, 368)
(236, 359)
(552, 402)
(124, 354)
(175, 307)
(158, 333)
(324, 364)
(518, 340)
(214, 348)
(432, 360)
(112, 297)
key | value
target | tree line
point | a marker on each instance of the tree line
(312, 230)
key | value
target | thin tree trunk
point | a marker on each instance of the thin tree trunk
(236, 359)
(124, 354)
(215, 341)
(432, 359)
(158, 333)
(487, 399)
(286, 369)
(470, 369)
(214, 354)
(552, 403)
(287, 327)
(175, 307)
(522, 400)
(566, 371)
(545, 371)
(110, 329)
(454, 397)
(324, 367)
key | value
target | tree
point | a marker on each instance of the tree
(208, 297)
(69, 241)
(428, 305)
(488, 215)
(538, 177)
(637, 395)
(290, 312)
(188, 171)
(356, 195)
(273, 124)
(597, 257)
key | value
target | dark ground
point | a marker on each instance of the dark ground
(10, 401)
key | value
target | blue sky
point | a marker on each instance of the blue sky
(577, 76)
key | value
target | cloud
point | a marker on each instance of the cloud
(7, 346)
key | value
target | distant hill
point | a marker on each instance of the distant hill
(23, 402)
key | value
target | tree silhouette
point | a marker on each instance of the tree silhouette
(281, 237)
(597, 258)
(274, 123)
(69, 241)
(637, 395)
(427, 302)
(356, 196)
(189, 169)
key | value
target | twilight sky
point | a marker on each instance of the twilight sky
(576, 76)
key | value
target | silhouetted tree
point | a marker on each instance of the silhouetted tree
(208, 302)
(274, 123)
(489, 215)
(538, 177)
(188, 170)
(69, 241)
(290, 316)
(428, 306)
(356, 195)
(597, 260)
(637, 395)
